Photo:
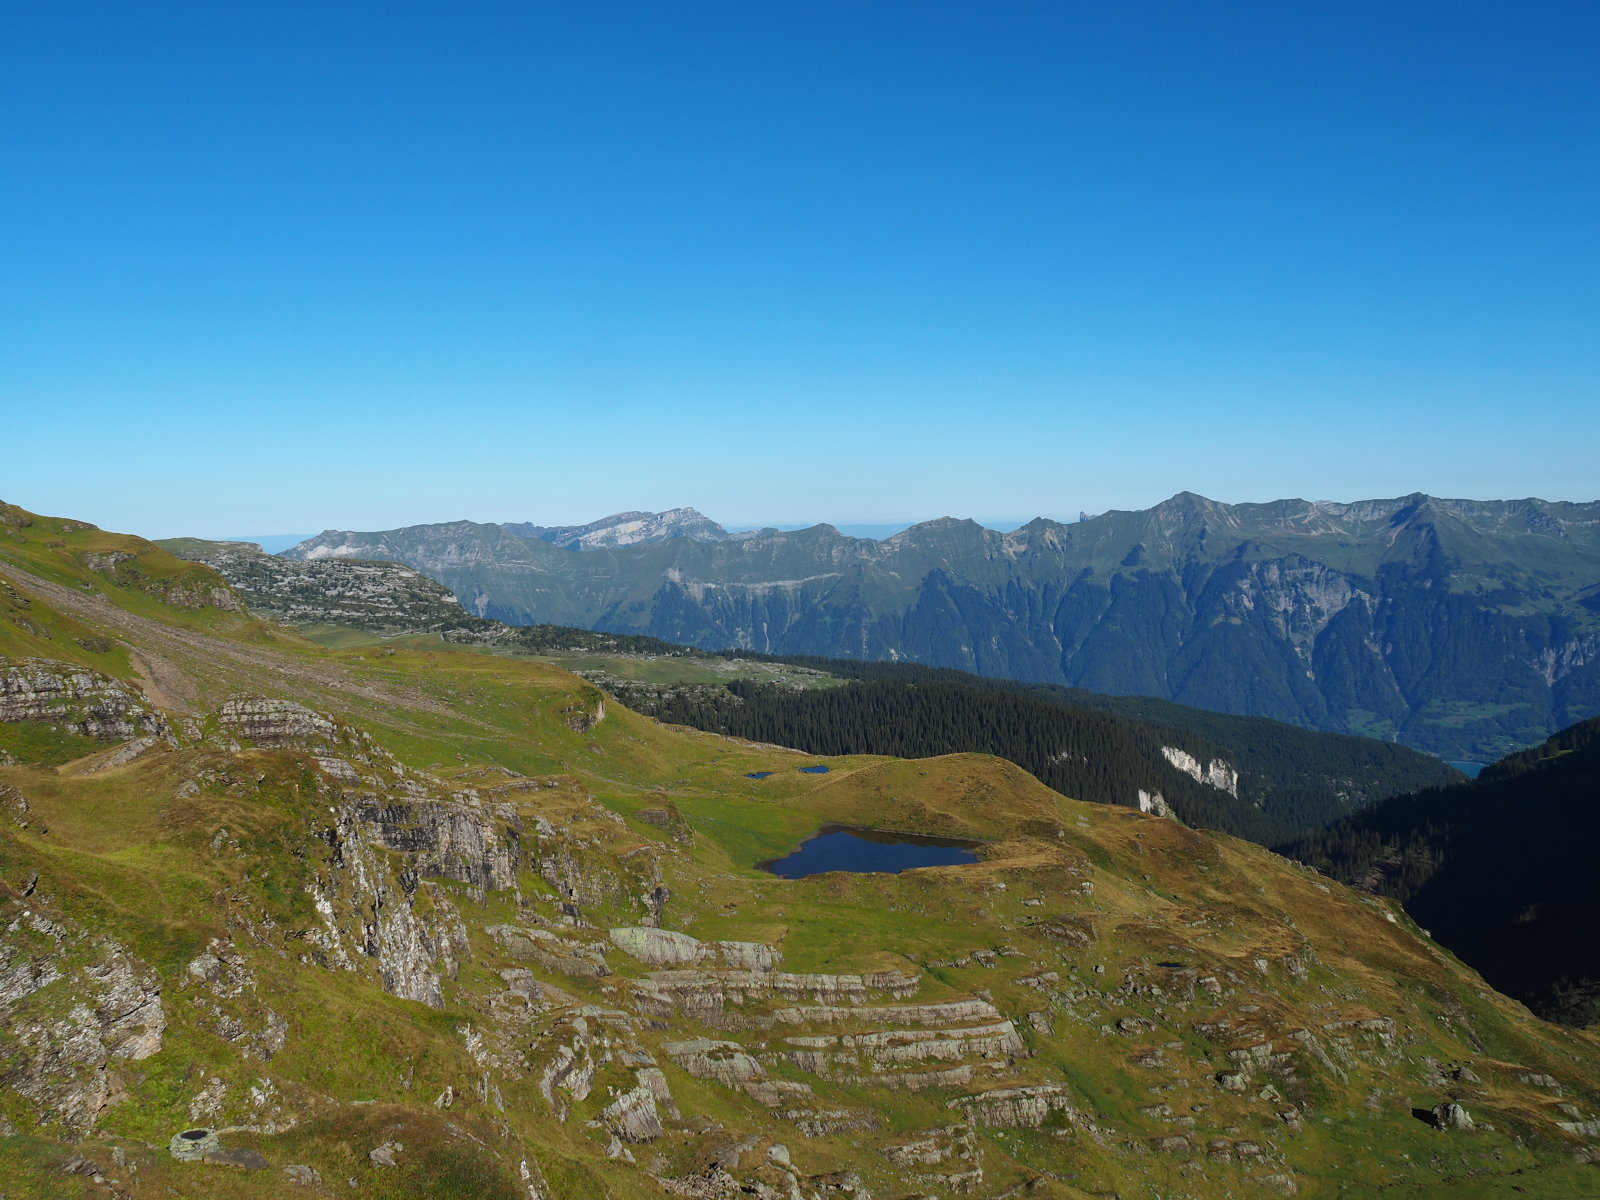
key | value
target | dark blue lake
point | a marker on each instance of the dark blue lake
(1469, 769)
(819, 770)
(864, 851)
(758, 774)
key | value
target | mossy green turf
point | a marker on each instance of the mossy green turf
(126, 854)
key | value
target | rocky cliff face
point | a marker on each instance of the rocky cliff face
(385, 597)
(73, 1006)
(76, 699)
(1217, 773)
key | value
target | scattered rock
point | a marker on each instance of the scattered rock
(242, 1157)
(208, 1100)
(384, 1155)
(192, 1145)
(633, 1117)
(1280, 1182)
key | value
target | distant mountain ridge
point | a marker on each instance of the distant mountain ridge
(626, 529)
(1466, 628)
(382, 597)
(1253, 778)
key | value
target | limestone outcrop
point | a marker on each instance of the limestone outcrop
(662, 947)
(1217, 773)
(472, 843)
(632, 1116)
(275, 724)
(565, 956)
(73, 1004)
(725, 1062)
(380, 911)
(76, 699)
(1016, 1107)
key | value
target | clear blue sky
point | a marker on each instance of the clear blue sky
(279, 267)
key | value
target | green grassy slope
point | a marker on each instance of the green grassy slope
(1500, 868)
(387, 928)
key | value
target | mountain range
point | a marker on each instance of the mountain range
(1248, 776)
(1496, 867)
(281, 920)
(1464, 628)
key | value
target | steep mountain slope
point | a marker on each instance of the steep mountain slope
(450, 925)
(1464, 628)
(1500, 868)
(1247, 776)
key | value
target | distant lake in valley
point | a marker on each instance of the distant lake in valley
(867, 851)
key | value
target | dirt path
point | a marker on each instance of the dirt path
(186, 671)
(165, 684)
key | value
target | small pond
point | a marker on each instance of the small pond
(863, 851)
(817, 770)
(757, 774)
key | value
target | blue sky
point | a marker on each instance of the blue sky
(303, 265)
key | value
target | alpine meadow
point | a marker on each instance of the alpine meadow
(820, 602)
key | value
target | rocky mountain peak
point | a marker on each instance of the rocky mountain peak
(1187, 502)
(633, 528)
(939, 525)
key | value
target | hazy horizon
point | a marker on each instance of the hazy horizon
(860, 529)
